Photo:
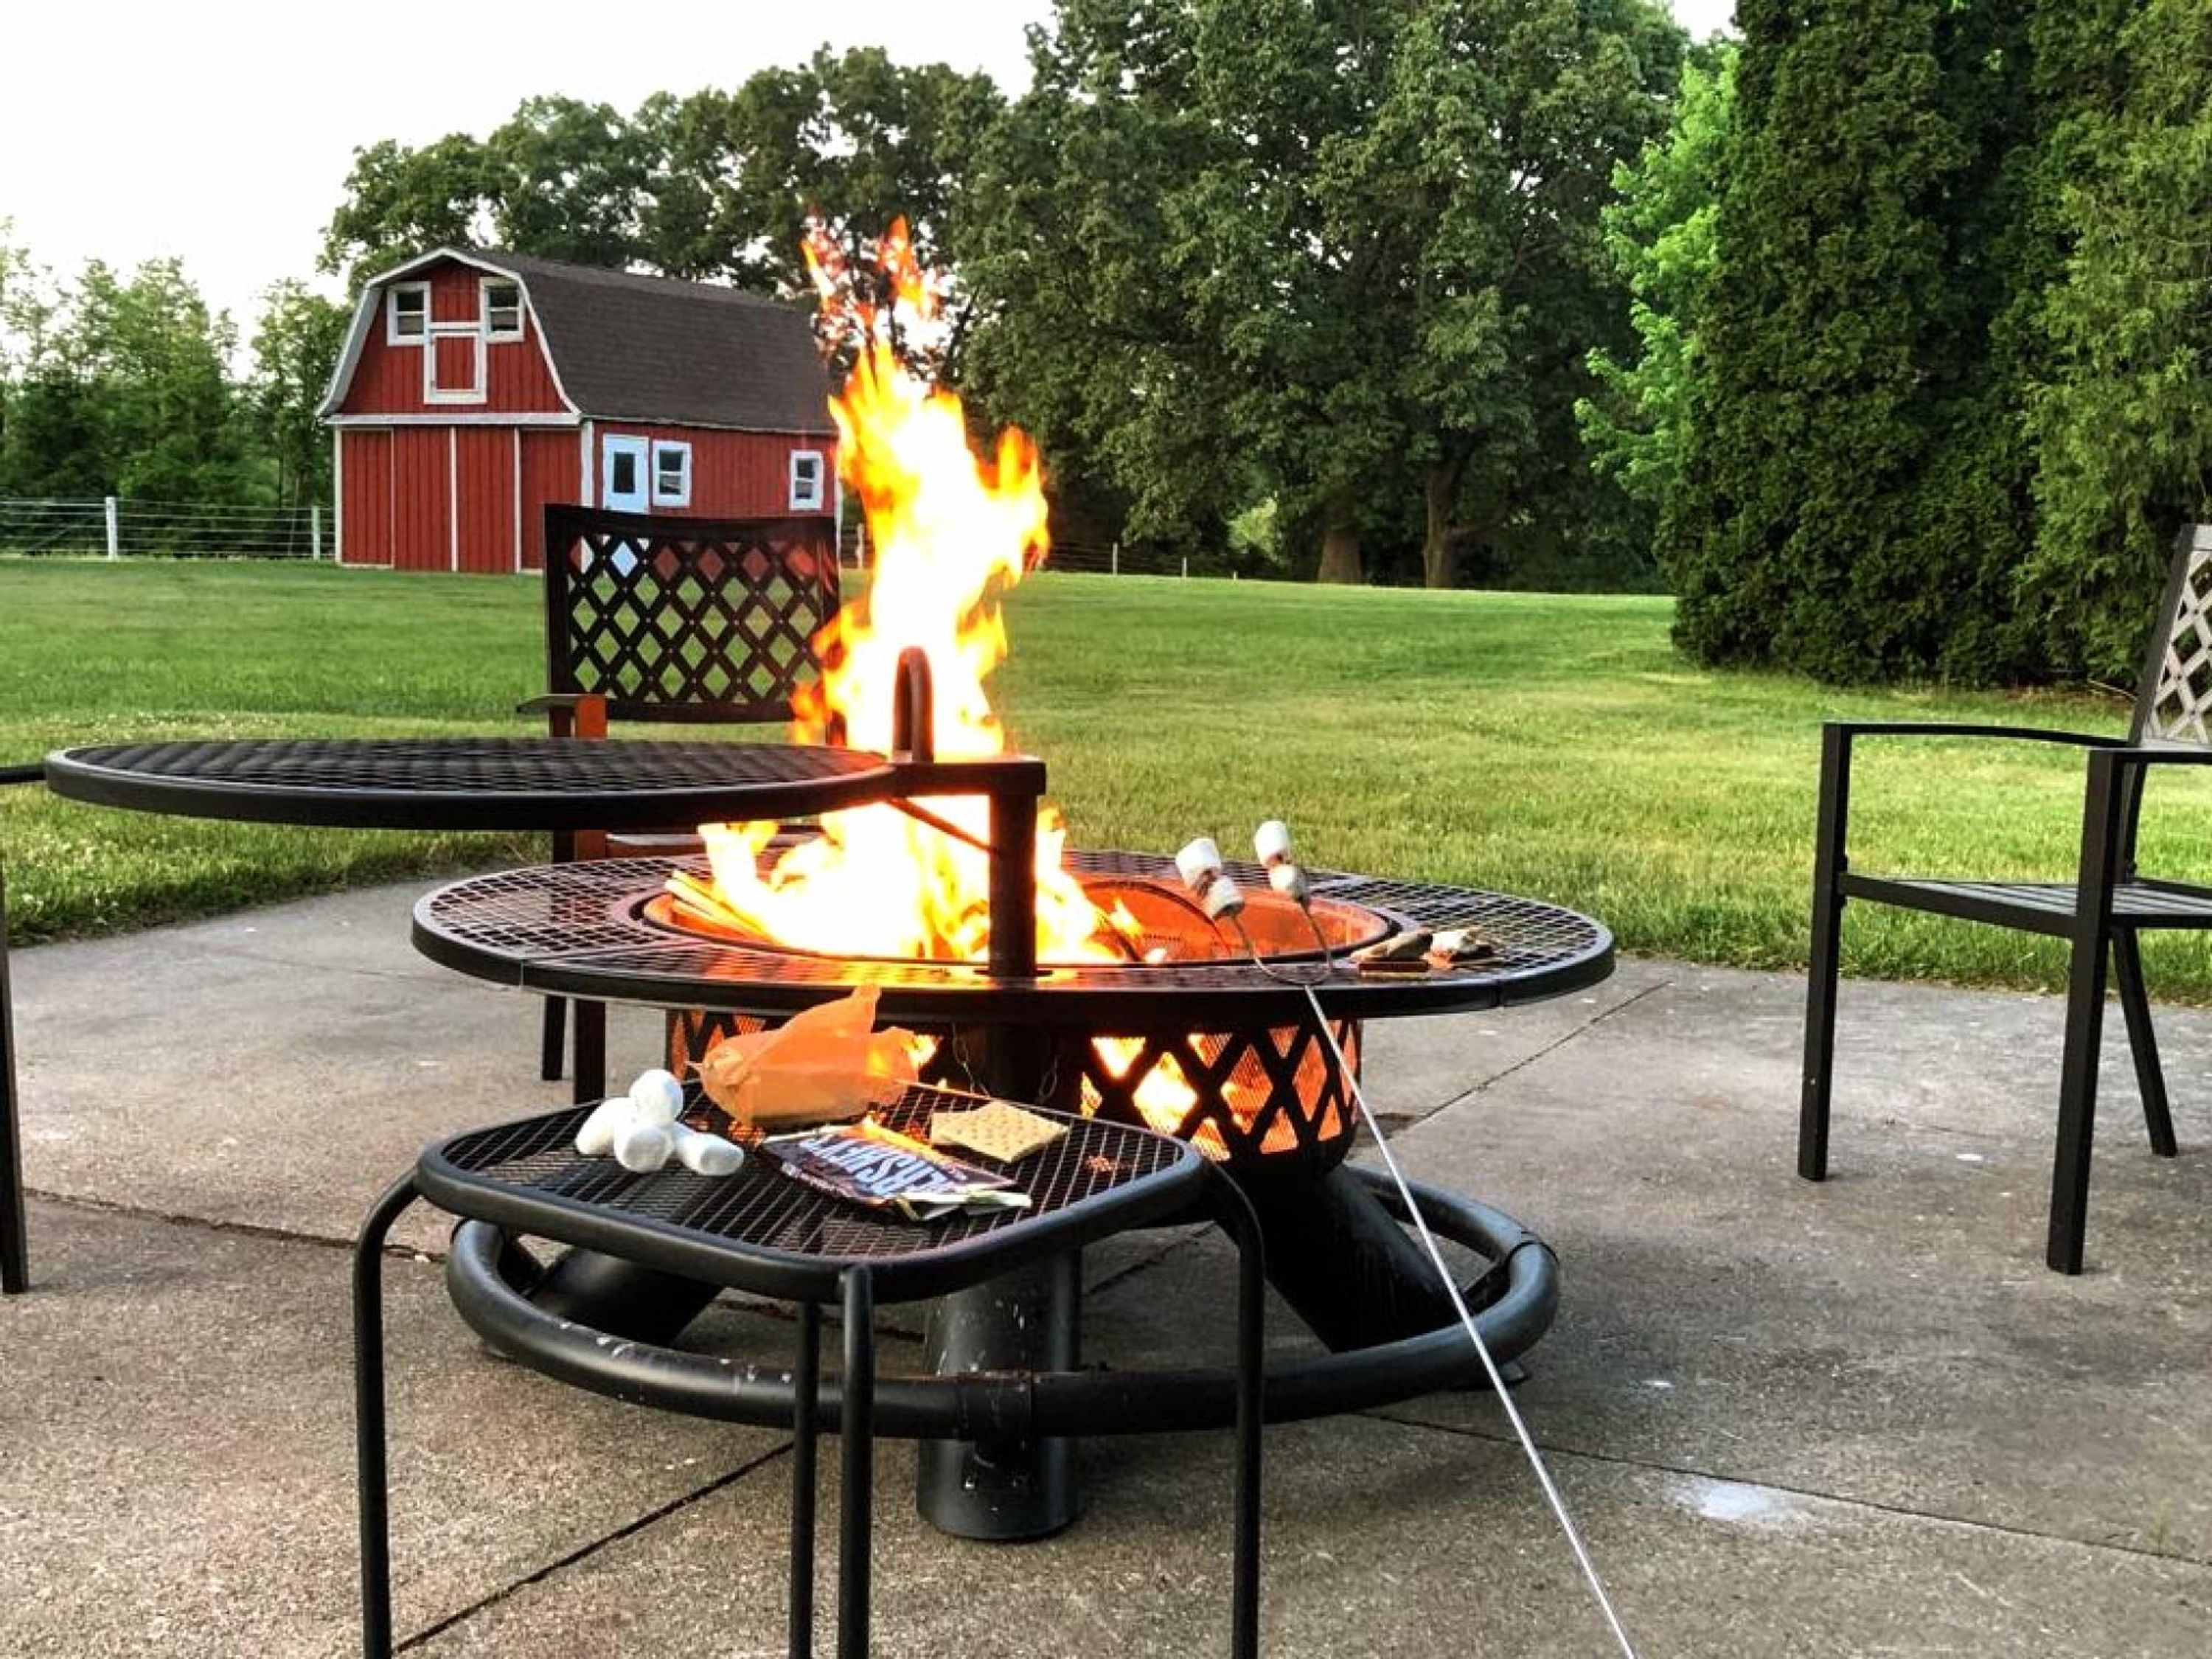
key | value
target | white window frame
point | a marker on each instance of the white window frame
(681, 494)
(392, 332)
(816, 493)
(432, 392)
(625, 443)
(491, 329)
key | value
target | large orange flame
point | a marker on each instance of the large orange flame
(949, 530)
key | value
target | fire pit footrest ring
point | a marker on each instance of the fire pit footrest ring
(1074, 1403)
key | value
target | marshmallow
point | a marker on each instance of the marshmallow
(596, 1137)
(658, 1095)
(641, 1148)
(1271, 842)
(706, 1154)
(1198, 864)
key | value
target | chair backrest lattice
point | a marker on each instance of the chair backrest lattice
(2175, 702)
(686, 619)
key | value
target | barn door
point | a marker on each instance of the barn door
(622, 475)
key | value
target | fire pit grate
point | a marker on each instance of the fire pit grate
(766, 1211)
(583, 929)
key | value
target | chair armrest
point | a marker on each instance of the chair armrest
(1850, 729)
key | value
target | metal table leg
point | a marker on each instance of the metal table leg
(1243, 1224)
(856, 1518)
(805, 1391)
(371, 1477)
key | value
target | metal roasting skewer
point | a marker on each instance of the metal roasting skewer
(1274, 851)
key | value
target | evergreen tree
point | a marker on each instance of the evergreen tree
(1793, 538)
(2122, 416)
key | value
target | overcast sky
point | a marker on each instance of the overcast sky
(220, 131)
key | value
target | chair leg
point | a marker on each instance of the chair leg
(590, 1051)
(2085, 1017)
(1826, 957)
(553, 1040)
(2142, 1041)
(806, 1387)
(14, 1238)
(856, 1482)
(1237, 1215)
(371, 1477)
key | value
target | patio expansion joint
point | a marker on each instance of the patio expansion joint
(212, 1223)
(1411, 1120)
(1993, 1529)
(584, 1551)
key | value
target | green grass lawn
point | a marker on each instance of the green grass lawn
(1551, 745)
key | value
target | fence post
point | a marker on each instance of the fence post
(315, 531)
(1115, 568)
(1186, 567)
(115, 538)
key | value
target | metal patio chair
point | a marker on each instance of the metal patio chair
(2100, 912)
(678, 619)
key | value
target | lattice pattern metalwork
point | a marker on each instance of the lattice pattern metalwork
(672, 618)
(2178, 684)
(1270, 1096)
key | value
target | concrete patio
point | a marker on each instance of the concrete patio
(1855, 1418)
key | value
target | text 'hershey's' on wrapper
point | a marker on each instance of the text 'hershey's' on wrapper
(867, 1163)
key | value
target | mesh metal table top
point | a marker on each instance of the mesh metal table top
(581, 929)
(760, 1229)
(470, 783)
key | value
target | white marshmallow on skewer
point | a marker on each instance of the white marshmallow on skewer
(1198, 864)
(641, 1148)
(706, 1154)
(596, 1137)
(1272, 842)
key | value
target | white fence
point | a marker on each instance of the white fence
(114, 528)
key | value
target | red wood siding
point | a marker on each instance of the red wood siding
(388, 379)
(484, 472)
(552, 468)
(365, 504)
(422, 533)
(734, 475)
(452, 292)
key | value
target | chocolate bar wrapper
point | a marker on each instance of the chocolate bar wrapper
(868, 1165)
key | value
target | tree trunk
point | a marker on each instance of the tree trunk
(1339, 547)
(1439, 544)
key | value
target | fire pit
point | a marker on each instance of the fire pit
(1253, 1084)
(1086, 982)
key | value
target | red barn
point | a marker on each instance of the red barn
(477, 386)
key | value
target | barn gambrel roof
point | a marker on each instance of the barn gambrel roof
(647, 349)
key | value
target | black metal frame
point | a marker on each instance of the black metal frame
(15, 1236)
(858, 1284)
(656, 667)
(2100, 914)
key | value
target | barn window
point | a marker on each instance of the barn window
(502, 308)
(408, 313)
(672, 475)
(807, 480)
